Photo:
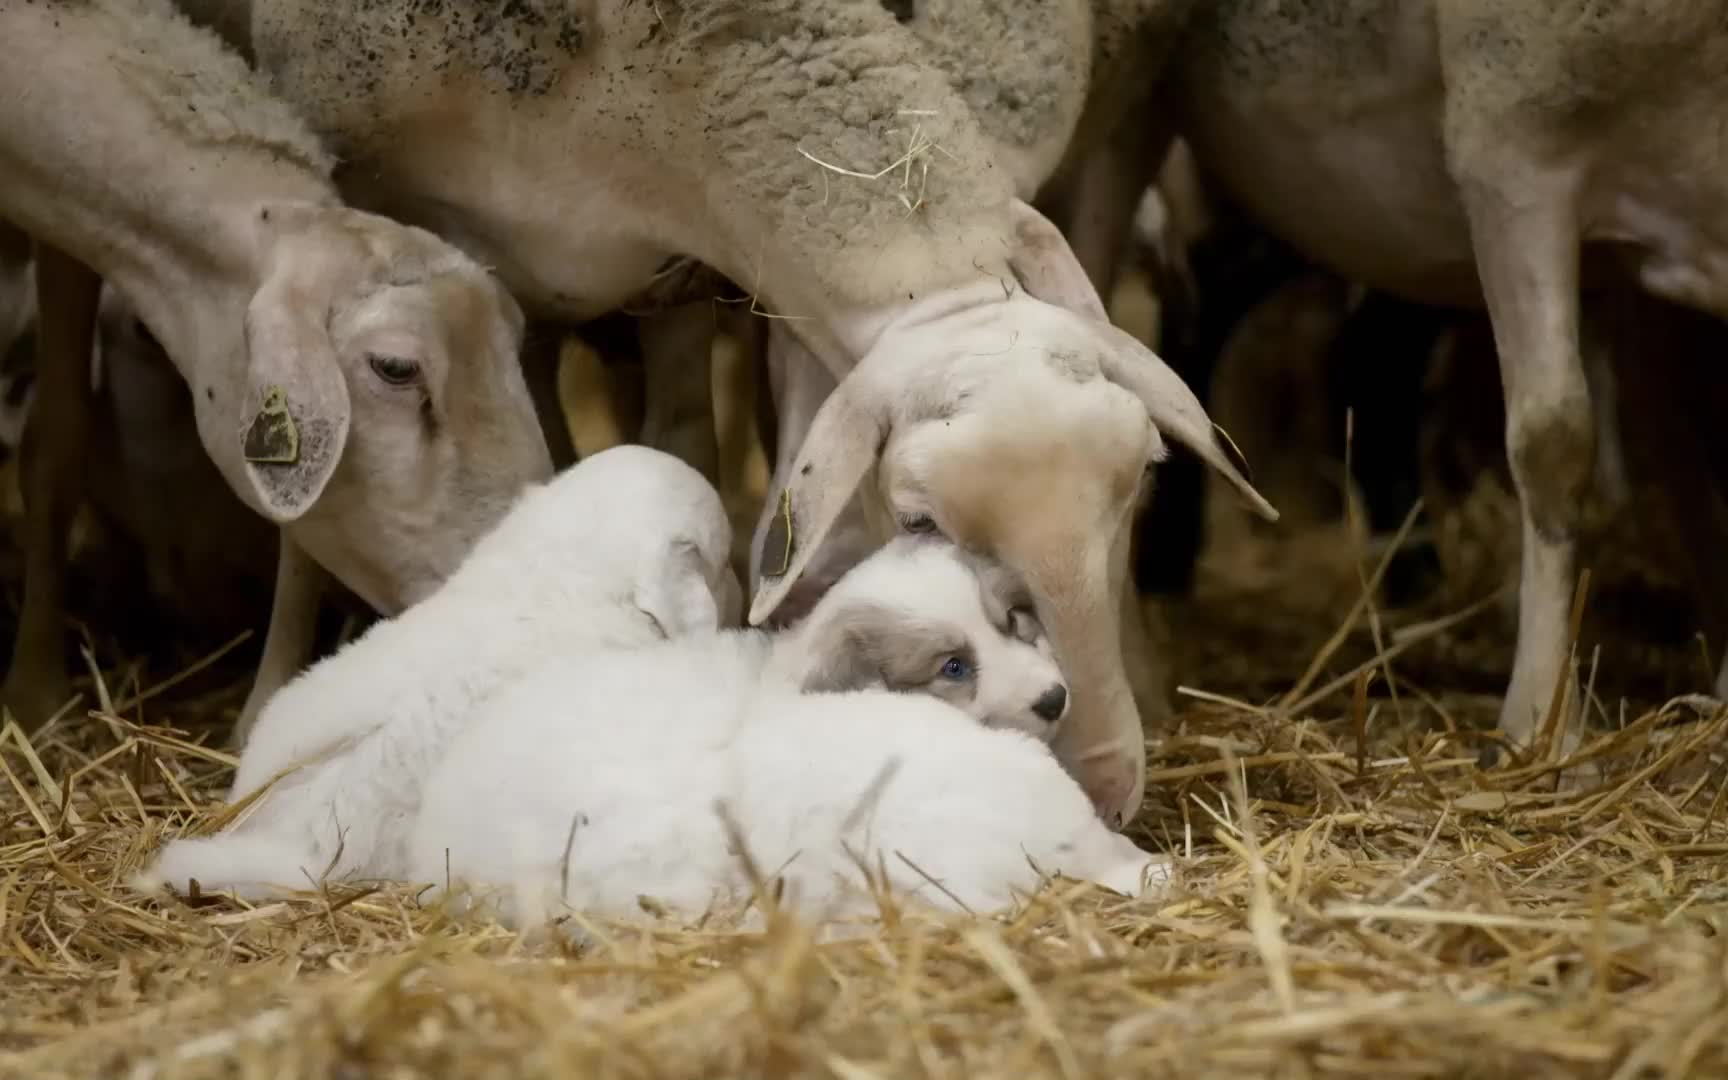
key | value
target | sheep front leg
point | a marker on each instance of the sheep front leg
(677, 357)
(1525, 233)
(293, 630)
(53, 463)
(541, 348)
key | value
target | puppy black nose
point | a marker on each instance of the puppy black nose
(1050, 704)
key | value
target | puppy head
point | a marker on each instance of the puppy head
(637, 526)
(923, 616)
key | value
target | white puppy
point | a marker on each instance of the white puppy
(596, 780)
(918, 616)
(592, 809)
(628, 547)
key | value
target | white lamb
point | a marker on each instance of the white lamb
(628, 547)
(920, 615)
(567, 807)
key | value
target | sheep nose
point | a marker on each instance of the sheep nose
(1050, 704)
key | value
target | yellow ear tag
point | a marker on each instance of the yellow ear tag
(780, 536)
(272, 438)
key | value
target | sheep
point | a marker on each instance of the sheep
(355, 381)
(729, 132)
(1027, 108)
(627, 547)
(840, 796)
(920, 616)
(1025, 70)
(1462, 153)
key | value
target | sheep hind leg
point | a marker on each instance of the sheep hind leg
(677, 356)
(1527, 257)
(53, 460)
(1671, 402)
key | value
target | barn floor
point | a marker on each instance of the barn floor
(1354, 897)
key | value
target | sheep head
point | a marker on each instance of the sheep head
(379, 413)
(1022, 427)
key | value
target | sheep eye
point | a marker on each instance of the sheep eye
(955, 668)
(395, 370)
(918, 524)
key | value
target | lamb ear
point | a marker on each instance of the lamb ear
(844, 441)
(1045, 265)
(672, 589)
(292, 412)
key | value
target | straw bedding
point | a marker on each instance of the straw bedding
(1345, 906)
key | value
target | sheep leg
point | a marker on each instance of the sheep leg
(53, 459)
(1146, 656)
(1688, 484)
(1379, 360)
(1525, 234)
(767, 412)
(619, 411)
(1671, 401)
(1612, 481)
(740, 379)
(541, 347)
(289, 641)
(800, 385)
(677, 357)
(1098, 200)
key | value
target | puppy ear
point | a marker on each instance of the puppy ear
(672, 589)
(843, 655)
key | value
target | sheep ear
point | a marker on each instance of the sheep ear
(672, 589)
(844, 441)
(292, 410)
(1045, 265)
(1047, 269)
(1176, 412)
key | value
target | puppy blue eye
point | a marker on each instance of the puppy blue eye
(955, 668)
